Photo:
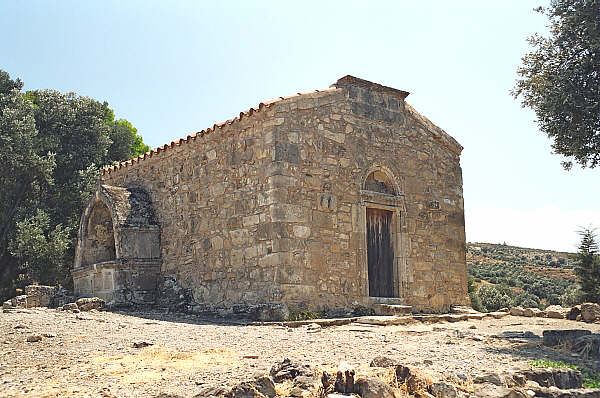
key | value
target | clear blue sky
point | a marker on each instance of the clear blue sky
(173, 68)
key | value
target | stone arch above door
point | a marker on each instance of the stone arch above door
(379, 178)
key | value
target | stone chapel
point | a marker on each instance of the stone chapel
(340, 197)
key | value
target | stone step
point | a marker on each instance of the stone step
(387, 300)
(392, 309)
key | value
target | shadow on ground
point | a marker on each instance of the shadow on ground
(536, 351)
(157, 314)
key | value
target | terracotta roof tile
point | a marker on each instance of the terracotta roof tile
(447, 139)
(202, 133)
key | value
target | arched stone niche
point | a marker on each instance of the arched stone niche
(98, 243)
(382, 202)
(117, 256)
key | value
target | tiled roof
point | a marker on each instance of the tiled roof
(437, 132)
(202, 133)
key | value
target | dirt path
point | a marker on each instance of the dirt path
(92, 354)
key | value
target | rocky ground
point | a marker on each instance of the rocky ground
(151, 354)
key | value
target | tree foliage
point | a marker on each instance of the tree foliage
(52, 147)
(42, 249)
(24, 168)
(560, 80)
(495, 297)
(587, 267)
(529, 277)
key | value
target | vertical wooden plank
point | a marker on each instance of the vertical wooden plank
(380, 253)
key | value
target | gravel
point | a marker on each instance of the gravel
(94, 354)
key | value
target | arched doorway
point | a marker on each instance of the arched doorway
(383, 250)
(380, 247)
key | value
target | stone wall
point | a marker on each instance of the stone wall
(270, 207)
(211, 196)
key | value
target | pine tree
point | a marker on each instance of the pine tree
(587, 266)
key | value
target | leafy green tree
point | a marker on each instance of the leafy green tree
(527, 300)
(72, 128)
(52, 148)
(124, 135)
(126, 143)
(587, 266)
(559, 80)
(25, 168)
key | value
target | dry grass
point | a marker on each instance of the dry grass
(158, 362)
(79, 338)
(284, 389)
(463, 385)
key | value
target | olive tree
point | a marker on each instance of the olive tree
(560, 80)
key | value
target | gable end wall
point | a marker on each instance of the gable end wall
(333, 142)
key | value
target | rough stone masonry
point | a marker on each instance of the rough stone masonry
(341, 197)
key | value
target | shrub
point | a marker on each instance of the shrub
(494, 297)
(527, 300)
(572, 296)
(476, 303)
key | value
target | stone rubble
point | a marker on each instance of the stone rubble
(590, 312)
(586, 312)
(40, 296)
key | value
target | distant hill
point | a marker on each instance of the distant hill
(527, 276)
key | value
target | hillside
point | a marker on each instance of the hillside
(519, 276)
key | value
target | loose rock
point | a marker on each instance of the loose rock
(574, 313)
(547, 377)
(34, 338)
(288, 370)
(90, 303)
(590, 312)
(265, 386)
(414, 379)
(344, 380)
(443, 389)
(516, 311)
(489, 390)
(245, 390)
(556, 312)
(370, 387)
(556, 337)
(382, 362)
(531, 312)
(70, 307)
(490, 378)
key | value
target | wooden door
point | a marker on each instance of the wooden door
(380, 253)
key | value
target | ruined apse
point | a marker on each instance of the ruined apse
(335, 198)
